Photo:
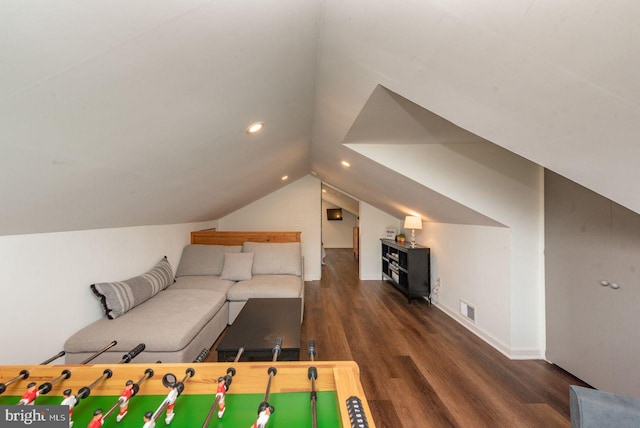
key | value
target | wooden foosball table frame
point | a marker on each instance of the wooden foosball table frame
(343, 377)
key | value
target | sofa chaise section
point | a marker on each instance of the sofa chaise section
(174, 325)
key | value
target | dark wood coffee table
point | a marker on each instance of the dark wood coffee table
(256, 328)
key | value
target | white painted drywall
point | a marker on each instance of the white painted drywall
(46, 278)
(295, 207)
(472, 263)
(337, 234)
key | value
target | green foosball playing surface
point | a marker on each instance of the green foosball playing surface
(291, 410)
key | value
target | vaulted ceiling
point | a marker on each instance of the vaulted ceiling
(118, 113)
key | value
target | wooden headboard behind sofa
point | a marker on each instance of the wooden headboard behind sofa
(213, 237)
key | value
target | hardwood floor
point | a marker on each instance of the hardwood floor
(420, 368)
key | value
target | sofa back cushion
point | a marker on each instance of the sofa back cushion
(119, 297)
(275, 258)
(204, 259)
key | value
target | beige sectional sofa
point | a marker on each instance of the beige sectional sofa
(176, 317)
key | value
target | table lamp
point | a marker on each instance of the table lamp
(413, 222)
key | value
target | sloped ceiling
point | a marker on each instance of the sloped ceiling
(550, 81)
(119, 114)
(340, 199)
(115, 113)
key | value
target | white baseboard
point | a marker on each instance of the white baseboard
(511, 353)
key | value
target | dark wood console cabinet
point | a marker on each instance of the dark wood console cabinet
(408, 269)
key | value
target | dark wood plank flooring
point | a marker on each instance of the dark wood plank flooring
(420, 368)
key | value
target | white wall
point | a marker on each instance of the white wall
(295, 207)
(46, 278)
(500, 185)
(337, 234)
(373, 223)
(472, 264)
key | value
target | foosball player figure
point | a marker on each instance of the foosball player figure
(96, 421)
(171, 402)
(69, 400)
(125, 395)
(30, 396)
(264, 411)
(148, 423)
(223, 387)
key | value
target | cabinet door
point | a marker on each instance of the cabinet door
(577, 257)
(625, 316)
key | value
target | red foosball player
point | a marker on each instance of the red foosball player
(96, 421)
(125, 395)
(30, 396)
(220, 394)
(69, 400)
(264, 412)
(148, 422)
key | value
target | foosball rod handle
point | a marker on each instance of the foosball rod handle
(55, 357)
(126, 358)
(277, 348)
(311, 344)
(202, 356)
(239, 354)
(24, 374)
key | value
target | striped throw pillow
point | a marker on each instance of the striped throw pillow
(119, 297)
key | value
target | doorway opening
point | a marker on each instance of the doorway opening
(340, 225)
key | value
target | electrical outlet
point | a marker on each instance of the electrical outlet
(438, 283)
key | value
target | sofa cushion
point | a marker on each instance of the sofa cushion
(266, 286)
(204, 259)
(201, 282)
(237, 266)
(275, 258)
(119, 297)
(165, 323)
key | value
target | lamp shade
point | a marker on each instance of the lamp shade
(412, 222)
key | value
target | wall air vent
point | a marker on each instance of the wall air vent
(468, 311)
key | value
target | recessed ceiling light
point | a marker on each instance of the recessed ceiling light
(254, 128)
(345, 163)
(285, 177)
(324, 190)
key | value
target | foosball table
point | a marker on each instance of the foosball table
(292, 394)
